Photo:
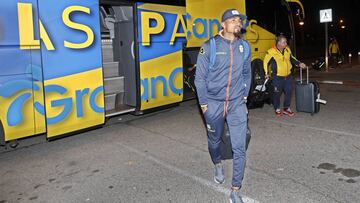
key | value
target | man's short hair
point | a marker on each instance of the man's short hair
(279, 37)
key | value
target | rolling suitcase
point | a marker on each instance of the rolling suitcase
(308, 95)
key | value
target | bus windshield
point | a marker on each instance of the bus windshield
(272, 15)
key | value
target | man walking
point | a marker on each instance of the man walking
(281, 61)
(223, 85)
(334, 52)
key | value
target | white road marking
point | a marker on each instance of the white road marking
(331, 82)
(210, 184)
(313, 128)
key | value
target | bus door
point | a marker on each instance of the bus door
(118, 55)
(72, 69)
(21, 87)
(161, 35)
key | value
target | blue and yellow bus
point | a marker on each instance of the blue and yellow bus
(67, 65)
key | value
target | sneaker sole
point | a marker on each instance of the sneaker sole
(218, 182)
(232, 201)
(289, 114)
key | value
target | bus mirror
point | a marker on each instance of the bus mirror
(300, 11)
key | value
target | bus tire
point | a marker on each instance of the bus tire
(2, 135)
(257, 78)
(257, 74)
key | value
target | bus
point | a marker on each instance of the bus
(66, 66)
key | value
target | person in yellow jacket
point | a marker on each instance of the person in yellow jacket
(278, 63)
(334, 52)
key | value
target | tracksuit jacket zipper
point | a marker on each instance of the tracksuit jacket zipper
(226, 103)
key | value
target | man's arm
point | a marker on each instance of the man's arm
(267, 58)
(296, 62)
(202, 69)
(247, 74)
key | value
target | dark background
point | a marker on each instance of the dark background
(310, 38)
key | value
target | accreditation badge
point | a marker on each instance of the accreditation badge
(202, 51)
(241, 48)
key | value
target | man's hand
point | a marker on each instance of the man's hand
(302, 65)
(204, 108)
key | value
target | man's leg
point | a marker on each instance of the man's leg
(333, 61)
(288, 91)
(337, 59)
(215, 126)
(278, 88)
(288, 86)
(237, 121)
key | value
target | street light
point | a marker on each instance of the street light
(301, 23)
(350, 55)
(343, 27)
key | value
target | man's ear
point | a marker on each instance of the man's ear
(223, 25)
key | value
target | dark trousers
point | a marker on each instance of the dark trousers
(282, 84)
(237, 122)
(334, 60)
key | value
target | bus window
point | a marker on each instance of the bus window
(272, 15)
(263, 12)
(283, 19)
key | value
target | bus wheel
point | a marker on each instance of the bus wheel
(255, 99)
(258, 74)
(2, 135)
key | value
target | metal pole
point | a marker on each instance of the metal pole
(326, 48)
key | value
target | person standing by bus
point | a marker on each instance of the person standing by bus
(222, 91)
(334, 52)
(281, 61)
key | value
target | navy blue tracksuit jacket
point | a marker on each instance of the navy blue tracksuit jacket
(231, 76)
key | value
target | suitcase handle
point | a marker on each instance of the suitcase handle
(307, 75)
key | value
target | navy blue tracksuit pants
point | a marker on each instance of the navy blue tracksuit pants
(236, 119)
(282, 84)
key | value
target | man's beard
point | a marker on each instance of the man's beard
(237, 34)
(240, 33)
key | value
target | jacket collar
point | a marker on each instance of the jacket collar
(220, 34)
(278, 51)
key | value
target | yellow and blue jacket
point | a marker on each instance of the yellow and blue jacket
(279, 63)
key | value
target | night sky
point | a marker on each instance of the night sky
(311, 36)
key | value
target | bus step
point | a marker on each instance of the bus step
(120, 109)
(113, 100)
(106, 42)
(111, 69)
(107, 50)
(114, 84)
